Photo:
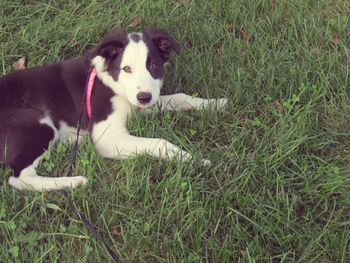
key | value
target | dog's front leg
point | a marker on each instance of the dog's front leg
(181, 101)
(125, 145)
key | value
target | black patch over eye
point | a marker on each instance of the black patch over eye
(154, 65)
(127, 69)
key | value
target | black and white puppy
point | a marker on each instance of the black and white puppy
(40, 105)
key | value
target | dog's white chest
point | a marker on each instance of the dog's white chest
(104, 133)
(67, 132)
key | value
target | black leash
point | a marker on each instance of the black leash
(89, 226)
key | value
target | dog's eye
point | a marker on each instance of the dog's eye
(153, 66)
(127, 69)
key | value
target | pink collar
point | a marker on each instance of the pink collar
(89, 91)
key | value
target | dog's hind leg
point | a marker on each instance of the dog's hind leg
(26, 146)
(181, 101)
(28, 179)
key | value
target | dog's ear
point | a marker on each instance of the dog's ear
(111, 45)
(163, 41)
(110, 49)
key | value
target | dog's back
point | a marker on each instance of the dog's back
(26, 97)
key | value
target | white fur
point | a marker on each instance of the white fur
(112, 139)
(68, 133)
(181, 101)
(140, 80)
(48, 121)
(134, 33)
(30, 180)
(99, 63)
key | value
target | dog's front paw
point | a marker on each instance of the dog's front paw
(78, 181)
(217, 104)
(206, 162)
(222, 104)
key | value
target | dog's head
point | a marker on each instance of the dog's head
(133, 64)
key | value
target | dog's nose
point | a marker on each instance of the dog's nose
(144, 97)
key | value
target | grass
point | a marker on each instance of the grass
(279, 186)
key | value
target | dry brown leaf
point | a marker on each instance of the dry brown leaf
(243, 35)
(19, 64)
(228, 27)
(115, 232)
(278, 106)
(273, 4)
(315, 51)
(336, 39)
(135, 22)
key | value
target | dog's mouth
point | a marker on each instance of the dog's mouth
(144, 105)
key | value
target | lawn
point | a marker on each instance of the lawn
(278, 189)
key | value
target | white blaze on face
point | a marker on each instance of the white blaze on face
(139, 79)
(134, 81)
